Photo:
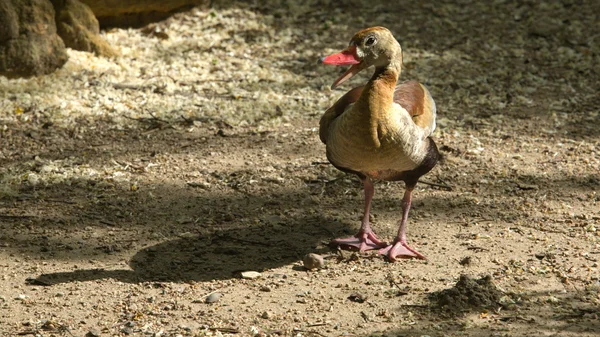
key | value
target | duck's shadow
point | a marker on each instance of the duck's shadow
(220, 255)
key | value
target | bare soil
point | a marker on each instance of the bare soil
(133, 189)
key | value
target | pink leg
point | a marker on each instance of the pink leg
(365, 239)
(400, 247)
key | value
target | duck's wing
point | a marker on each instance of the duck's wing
(416, 99)
(336, 110)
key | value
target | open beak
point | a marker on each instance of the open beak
(344, 58)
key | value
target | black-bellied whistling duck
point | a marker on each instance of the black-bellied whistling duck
(380, 131)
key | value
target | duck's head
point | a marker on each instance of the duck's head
(375, 46)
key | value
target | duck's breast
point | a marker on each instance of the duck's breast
(392, 142)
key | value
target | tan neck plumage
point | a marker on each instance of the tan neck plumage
(377, 98)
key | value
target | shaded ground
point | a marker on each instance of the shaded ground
(132, 188)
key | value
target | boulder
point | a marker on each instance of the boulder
(29, 44)
(137, 13)
(34, 33)
(79, 28)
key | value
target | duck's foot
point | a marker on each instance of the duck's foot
(400, 250)
(362, 241)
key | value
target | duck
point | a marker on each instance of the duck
(379, 131)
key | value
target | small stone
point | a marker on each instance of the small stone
(33, 179)
(466, 261)
(266, 315)
(358, 298)
(93, 333)
(251, 275)
(265, 289)
(544, 26)
(212, 298)
(313, 261)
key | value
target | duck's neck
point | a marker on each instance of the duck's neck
(378, 95)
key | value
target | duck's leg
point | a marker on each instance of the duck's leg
(365, 239)
(400, 248)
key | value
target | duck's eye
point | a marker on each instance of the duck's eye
(370, 41)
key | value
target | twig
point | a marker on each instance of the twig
(60, 201)
(226, 330)
(153, 118)
(415, 305)
(331, 181)
(130, 86)
(309, 331)
(316, 324)
(210, 293)
(477, 248)
(446, 187)
(154, 121)
(2, 216)
(195, 119)
(111, 224)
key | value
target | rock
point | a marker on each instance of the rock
(313, 261)
(126, 330)
(79, 28)
(137, 13)
(250, 275)
(466, 261)
(29, 44)
(544, 26)
(213, 298)
(93, 333)
(358, 298)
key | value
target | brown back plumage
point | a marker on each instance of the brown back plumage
(413, 97)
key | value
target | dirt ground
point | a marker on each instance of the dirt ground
(133, 189)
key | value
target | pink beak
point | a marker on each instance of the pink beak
(345, 57)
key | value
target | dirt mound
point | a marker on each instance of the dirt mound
(468, 293)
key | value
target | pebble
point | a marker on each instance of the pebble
(251, 275)
(33, 179)
(93, 333)
(313, 261)
(127, 330)
(266, 315)
(358, 298)
(212, 298)
(265, 289)
(545, 27)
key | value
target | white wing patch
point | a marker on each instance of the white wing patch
(406, 134)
